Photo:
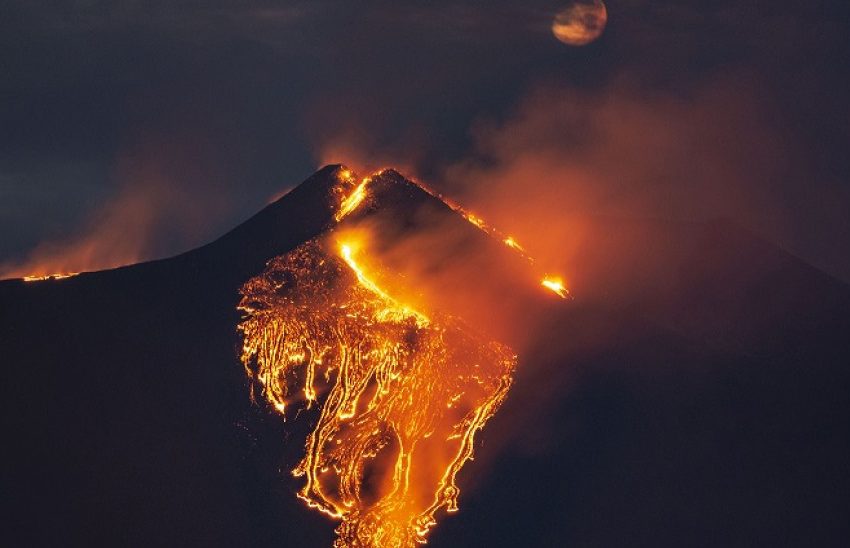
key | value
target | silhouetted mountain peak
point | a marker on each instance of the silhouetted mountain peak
(678, 365)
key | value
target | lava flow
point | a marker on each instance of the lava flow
(404, 393)
(40, 278)
(400, 391)
(356, 196)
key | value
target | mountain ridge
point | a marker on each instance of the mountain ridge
(694, 386)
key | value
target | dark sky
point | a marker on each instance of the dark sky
(160, 125)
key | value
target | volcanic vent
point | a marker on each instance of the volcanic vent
(401, 379)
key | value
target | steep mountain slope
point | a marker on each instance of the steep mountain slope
(698, 400)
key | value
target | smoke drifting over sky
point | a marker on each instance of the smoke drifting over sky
(628, 153)
(154, 129)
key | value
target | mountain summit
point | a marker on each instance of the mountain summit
(693, 392)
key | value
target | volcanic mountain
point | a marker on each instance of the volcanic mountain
(692, 392)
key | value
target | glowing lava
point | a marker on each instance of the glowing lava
(352, 201)
(401, 311)
(397, 394)
(511, 242)
(49, 277)
(404, 393)
(556, 285)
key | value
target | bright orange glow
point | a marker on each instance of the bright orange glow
(397, 311)
(511, 242)
(353, 200)
(403, 395)
(356, 197)
(555, 284)
(49, 277)
(476, 220)
(400, 394)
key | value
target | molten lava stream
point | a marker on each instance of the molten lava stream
(41, 278)
(355, 194)
(405, 392)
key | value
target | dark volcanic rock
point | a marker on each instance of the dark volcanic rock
(701, 401)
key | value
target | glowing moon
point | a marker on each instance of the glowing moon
(580, 23)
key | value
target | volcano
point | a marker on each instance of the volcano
(693, 390)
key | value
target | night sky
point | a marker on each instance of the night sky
(687, 175)
(163, 124)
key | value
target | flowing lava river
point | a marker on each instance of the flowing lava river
(400, 391)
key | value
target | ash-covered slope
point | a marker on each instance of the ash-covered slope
(705, 406)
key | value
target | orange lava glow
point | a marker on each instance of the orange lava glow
(476, 220)
(400, 311)
(556, 285)
(404, 393)
(354, 199)
(396, 392)
(61, 276)
(511, 242)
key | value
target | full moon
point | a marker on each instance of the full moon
(580, 23)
